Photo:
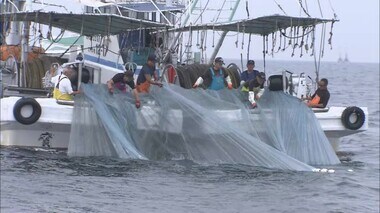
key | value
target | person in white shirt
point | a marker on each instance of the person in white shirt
(63, 89)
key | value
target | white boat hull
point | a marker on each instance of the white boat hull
(52, 130)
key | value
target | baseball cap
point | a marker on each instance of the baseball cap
(262, 75)
(251, 62)
(219, 60)
(152, 57)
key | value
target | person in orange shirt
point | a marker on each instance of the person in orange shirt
(144, 80)
(321, 96)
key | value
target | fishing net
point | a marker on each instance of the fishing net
(200, 125)
(294, 129)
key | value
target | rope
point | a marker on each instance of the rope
(220, 10)
(331, 34)
(264, 53)
(69, 47)
(249, 45)
(200, 15)
(246, 8)
(294, 37)
(304, 10)
(332, 8)
(279, 6)
(320, 8)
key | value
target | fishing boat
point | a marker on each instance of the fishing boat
(29, 118)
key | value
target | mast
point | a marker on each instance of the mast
(14, 34)
(221, 39)
(174, 42)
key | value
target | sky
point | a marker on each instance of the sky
(356, 34)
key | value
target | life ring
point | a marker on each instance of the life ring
(35, 114)
(353, 112)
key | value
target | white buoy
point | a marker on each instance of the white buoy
(350, 170)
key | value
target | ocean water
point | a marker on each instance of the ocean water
(38, 181)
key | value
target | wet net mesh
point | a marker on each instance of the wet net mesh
(200, 125)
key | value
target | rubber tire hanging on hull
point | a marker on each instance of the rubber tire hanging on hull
(347, 114)
(33, 117)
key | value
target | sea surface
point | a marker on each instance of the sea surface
(39, 181)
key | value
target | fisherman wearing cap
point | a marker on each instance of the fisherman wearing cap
(144, 80)
(120, 81)
(256, 88)
(215, 76)
(248, 75)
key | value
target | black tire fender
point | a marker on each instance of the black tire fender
(35, 114)
(360, 118)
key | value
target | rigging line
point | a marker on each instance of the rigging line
(304, 10)
(302, 41)
(246, 8)
(331, 35)
(293, 37)
(237, 35)
(249, 45)
(213, 37)
(69, 47)
(200, 15)
(315, 57)
(279, 46)
(307, 8)
(273, 44)
(264, 53)
(220, 10)
(320, 8)
(332, 8)
(323, 39)
(307, 43)
(283, 49)
(242, 40)
(279, 6)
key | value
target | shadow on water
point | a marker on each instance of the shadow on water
(24, 160)
(30, 160)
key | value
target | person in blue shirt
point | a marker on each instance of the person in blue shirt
(215, 77)
(248, 75)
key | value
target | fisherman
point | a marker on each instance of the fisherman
(216, 77)
(256, 88)
(248, 75)
(321, 96)
(120, 81)
(63, 89)
(144, 80)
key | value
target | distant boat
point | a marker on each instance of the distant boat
(340, 60)
(346, 59)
